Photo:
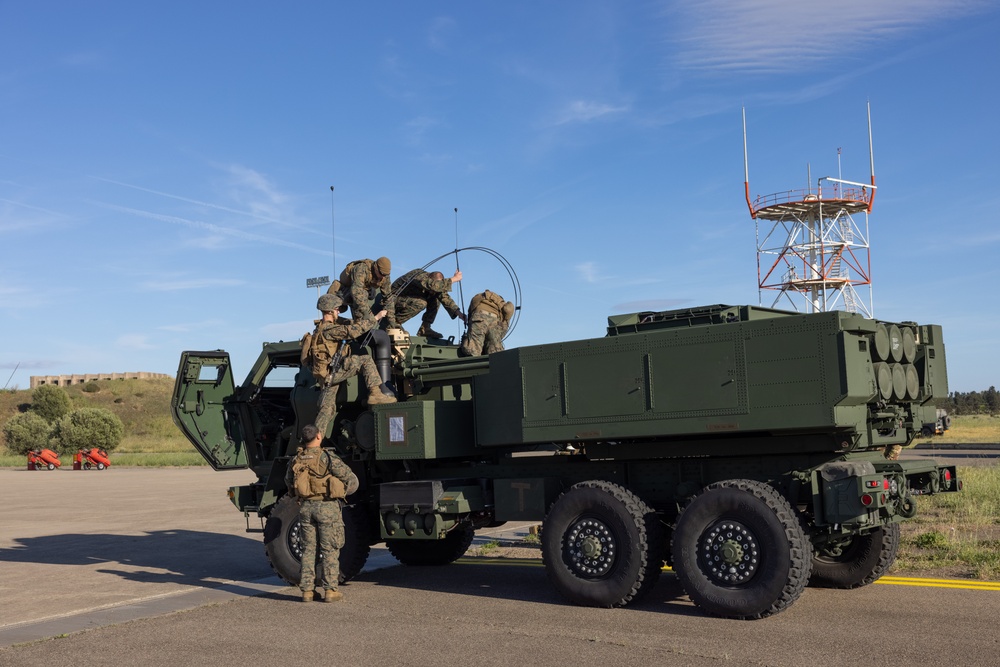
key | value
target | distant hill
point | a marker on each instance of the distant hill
(142, 405)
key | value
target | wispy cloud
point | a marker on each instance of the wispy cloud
(262, 201)
(769, 36)
(215, 229)
(585, 111)
(187, 327)
(588, 272)
(440, 30)
(178, 285)
(134, 342)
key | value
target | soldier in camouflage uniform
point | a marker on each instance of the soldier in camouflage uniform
(320, 517)
(419, 290)
(328, 345)
(489, 319)
(359, 280)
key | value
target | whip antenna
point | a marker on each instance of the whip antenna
(333, 231)
(461, 296)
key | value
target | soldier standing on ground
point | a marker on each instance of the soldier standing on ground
(327, 352)
(359, 280)
(489, 319)
(320, 480)
(419, 290)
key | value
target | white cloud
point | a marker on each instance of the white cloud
(791, 35)
(195, 283)
(588, 272)
(584, 111)
(134, 342)
(440, 30)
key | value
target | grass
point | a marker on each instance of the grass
(970, 429)
(151, 438)
(956, 534)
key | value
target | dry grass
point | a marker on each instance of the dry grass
(956, 534)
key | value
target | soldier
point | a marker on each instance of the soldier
(489, 319)
(357, 282)
(320, 480)
(327, 353)
(419, 290)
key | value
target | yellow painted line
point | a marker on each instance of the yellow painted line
(966, 584)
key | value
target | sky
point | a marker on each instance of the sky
(166, 168)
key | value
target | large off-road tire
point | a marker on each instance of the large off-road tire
(284, 550)
(602, 546)
(740, 550)
(857, 562)
(433, 552)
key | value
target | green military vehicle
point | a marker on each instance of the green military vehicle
(745, 447)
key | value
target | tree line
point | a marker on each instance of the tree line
(51, 422)
(972, 402)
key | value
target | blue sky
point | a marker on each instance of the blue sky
(165, 168)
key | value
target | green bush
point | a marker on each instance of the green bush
(26, 431)
(91, 388)
(89, 427)
(50, 402)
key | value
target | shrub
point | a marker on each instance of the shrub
(89, 427)
(91, 388)
(27, 431)
(50, 402)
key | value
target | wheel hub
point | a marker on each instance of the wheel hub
(590, 548)
(729, 553)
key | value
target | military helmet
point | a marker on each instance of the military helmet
(329, 303)
(383, 265)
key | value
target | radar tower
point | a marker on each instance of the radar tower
(813, 245)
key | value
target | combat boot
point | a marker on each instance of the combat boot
(332, 596)
(307, 596)
(376, 397)
(426, 331)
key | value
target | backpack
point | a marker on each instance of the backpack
(317, 353)
(312, 478)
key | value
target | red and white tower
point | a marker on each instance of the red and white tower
(812, 244)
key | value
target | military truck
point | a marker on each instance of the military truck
(745, 447)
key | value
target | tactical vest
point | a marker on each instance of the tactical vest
(346, 277)
(488, 301)
(312, 478)
(317, 353)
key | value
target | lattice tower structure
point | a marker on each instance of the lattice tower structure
(813, 247)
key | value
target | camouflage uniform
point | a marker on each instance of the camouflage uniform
(356, 281)
(489, 319)
(321, 521)
(351, 365)
(416, 291)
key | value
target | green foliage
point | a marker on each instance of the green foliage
(50, 402)
(973, 402)
(26, 431)
(931, 540)
(91, 388)
(89, 427)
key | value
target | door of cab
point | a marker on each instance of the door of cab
(204, 408)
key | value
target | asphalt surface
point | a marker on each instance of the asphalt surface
(154, 565)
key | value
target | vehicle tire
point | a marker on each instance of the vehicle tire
(87, 466)
(101, 466)
(284, 550)
(602, 546)
(50, 466)
(740, 550)
(927, 431)
(858, 561)
(433, 552)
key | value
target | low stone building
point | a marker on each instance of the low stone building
(67, 380)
